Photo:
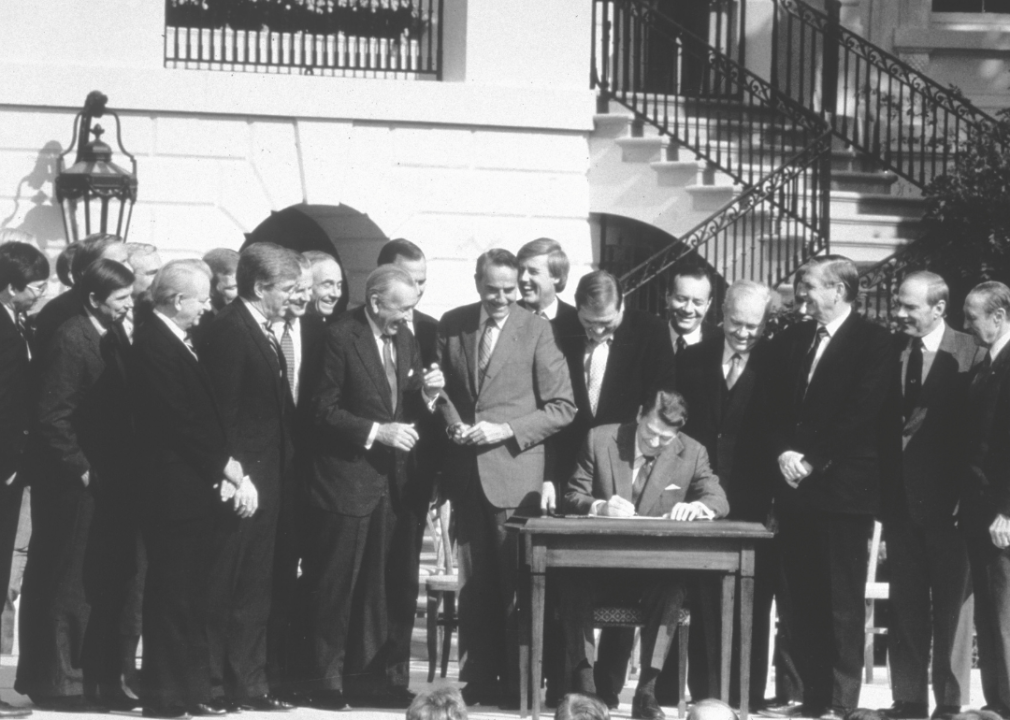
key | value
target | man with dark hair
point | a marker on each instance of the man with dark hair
(185, 462)
(930, 579)
(75, 456)
(440, 703)
(644, 468)
(509, 390)
(543, 273)
(688, 299)
(63, 263)
(410, 257)
(985, 499)
(247, 370)
(832, 377)
(144, 260)
(24, 275)
(223, 263)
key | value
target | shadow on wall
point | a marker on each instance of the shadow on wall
(43, 218)
(350, 236)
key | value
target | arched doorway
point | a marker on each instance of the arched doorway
(348, 234)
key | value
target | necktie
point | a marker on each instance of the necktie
(188, 342)
(735, 369)
(288, 350)
(641, 479)
(542, 314)
(484, 352)
(276, 347)
(594, 375)
(680, 344)
(913, 377)
(808, 361)
(390, 368)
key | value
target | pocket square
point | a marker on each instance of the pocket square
(410, 372)
(671, 486)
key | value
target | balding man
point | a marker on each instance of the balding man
(248, 374)
(832, 379)
(985, 502)
(929, 584)
(370, 406)
(409, 257)
(186, 460)
(329, 296)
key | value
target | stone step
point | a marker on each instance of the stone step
(711, 197)
(643, 149)
(877, 183)
(857, 204)
(673, 173)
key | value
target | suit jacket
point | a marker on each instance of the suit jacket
(839, 424)
(253, 396)
(565, 320)
(986, 489)
(426, 334)
(49, 319)
(732, 425)
(15, 395)
(708, 330)
(640, 358)
(681, 473)
(182, 438)
(526, 385)
(926, 454)
(351, 396)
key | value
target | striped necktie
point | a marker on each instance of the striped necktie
(288, 350)
(484, 352)
(390, 368)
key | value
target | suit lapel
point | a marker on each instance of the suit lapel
(664, 470)
(834, 352)
(515, 324)
(259, 339)
(468, 339)
(622, 460)
(403, 366)
(368, 353)
(9, 328)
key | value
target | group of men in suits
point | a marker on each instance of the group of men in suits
(280, 456)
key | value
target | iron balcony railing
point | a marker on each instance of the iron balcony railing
(765, 233)
(348, 38)
(873, 100)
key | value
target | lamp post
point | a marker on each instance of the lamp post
(95, 194)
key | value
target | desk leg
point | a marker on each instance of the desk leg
(728, 598)
(746, 631)
(537, 649)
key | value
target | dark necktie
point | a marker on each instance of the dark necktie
(679, 345)
(390, 368)
(276, 347)
(288, 350)
(808, 362)
(641, 479)
(484, 352)
(913, 377)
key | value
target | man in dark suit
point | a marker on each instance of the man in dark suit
(615, 357)
(509, 390)
(985, 501)
(724, 380)
(329, 288)
(930, 588)
(688, 299)
(647, 469)
(73, 463)
(247, 371)
(223, 288)
(543, 273)
(370, 406)
(833, 376)
(24, 275)
(186, 461)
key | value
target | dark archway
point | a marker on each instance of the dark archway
(349, 235)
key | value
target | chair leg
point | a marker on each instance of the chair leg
(683, 634)
(449, 613)
(432, 622)
(868, 642)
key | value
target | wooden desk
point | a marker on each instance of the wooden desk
(641, 543)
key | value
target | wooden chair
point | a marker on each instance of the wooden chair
(874, 591)
(631, 616)
(441, 590)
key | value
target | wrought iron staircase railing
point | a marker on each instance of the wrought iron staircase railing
(765, 233)
(708, 103)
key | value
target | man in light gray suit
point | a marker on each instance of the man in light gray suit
(509, 390)
(930, 581)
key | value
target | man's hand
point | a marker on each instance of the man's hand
(485, 433)
(246, 499)
(86, 478)
(548, 498)
(434, 381)
(397, 435)
(233, 472)
(999, 531)
(457, 433)
(617, 506)
(793, 467)
(10, 480)
(685, 512)
(226, 490)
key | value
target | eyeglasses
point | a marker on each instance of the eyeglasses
(38, 288)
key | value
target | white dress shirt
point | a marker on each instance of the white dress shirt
(96, 322)
(379, 344)
(832, 328)
(259, 318)
(496, 328)
(727, 359)
(930, 346)
(550, 312)
(997, 347)
(691, 338)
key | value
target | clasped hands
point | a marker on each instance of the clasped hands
(616, 506)
(794, 468)
(482, 433)
(403, 436)
(238, 487)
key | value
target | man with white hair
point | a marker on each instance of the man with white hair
(186, 463)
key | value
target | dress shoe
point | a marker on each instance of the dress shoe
(118, 701)
(328, 700)
(225, 705)
(905, 710)
(9, 711)
(264, 703)
(835, 712)
(173, 713)
(789, 709)
(69, 704)
(945, 712)
(207, 710)
(645, 707)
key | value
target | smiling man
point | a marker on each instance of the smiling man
(509, 390)
(327, 285)
(543, 273)
(688, 300)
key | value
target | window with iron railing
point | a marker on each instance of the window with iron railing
(347, 38)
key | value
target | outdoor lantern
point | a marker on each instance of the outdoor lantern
(95, 194)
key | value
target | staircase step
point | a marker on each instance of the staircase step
(853, 160)
(612, 125)
(883, 228)
(672, 173)
(863, 182)
(643, 149)
(858, 204)
(712, 197)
